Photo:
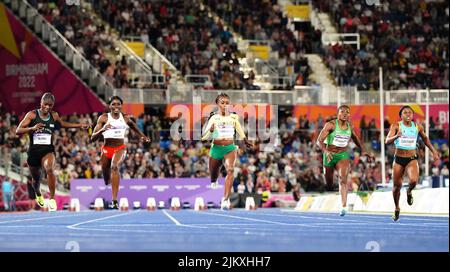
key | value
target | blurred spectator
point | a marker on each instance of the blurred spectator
(8, 194)
(407, 38)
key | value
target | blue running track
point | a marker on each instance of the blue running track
(263, 230)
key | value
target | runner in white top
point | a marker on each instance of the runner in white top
(221, 129)
(113, 127)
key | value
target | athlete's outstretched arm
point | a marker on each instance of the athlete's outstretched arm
(23, 126)
(135, 128)
(358, 143)
(394, 133)
(323, 135)
(67, 124)
(241, 133)
(100, 127)
(427, 142)
(208, 130)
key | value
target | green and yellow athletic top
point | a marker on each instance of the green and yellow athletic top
(339, 137)
(225, 127)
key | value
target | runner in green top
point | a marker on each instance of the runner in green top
(333, 141)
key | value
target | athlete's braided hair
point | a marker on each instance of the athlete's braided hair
(224, 95)
(404, 107)
(114, 97)
(48, 96)
(343, 106)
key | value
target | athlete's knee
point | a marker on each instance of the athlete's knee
(49, 170)
(413, 181)
(229, 172)
(115, 168)
(343, 179)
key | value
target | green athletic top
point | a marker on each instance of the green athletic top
(339, 137)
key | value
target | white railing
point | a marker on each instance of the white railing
(350, 95)
(150, 96)
(341, 38)
(153, 57)
(184, 94)
(136, 64)
(301, 95)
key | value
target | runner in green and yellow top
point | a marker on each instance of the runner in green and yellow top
(221, 128)
(333, 141)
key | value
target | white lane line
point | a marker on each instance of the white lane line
(179, 224)
(168, 225)
(319, 218)
(346, 219)
(36, 219)
(311, 217)
(254, 219)
(411, 216)
(172, 218)
(74, 226)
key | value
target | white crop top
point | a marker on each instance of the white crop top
(225, 127)
(118, 130)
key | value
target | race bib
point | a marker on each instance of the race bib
(225, 131)
(114, 133)
(42, 139)
(407, 141)
(341, 140)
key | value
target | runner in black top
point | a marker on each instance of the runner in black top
(40, 125)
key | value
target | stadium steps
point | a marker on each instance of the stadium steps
(244, 64)
(141, 65)
(322, 75)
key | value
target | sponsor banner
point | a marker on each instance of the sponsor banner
(357, 112)
(187, 189)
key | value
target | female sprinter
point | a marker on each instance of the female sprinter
(113, 126)
(333, 141)
(40, 125)
(221, 128)
(404, 135)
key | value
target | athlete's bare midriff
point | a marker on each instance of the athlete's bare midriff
(223, 141)
(114, 142)
(336, 149)
(405, 153)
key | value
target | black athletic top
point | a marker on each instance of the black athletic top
(44, 136)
